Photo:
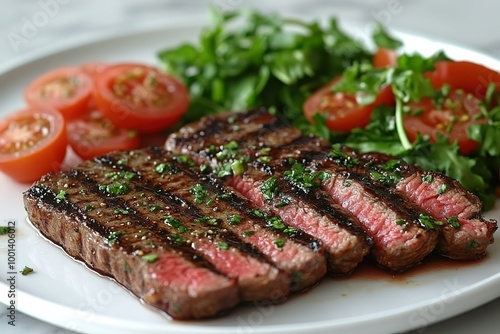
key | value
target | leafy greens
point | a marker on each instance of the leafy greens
(247, 59)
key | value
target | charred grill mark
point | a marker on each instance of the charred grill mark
(49, 197)
(184, 208)
(155, 233)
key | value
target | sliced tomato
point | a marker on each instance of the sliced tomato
(341, 110)
(93, 135)
(136, 96)
(32, 143)
(471, 77)
(384, 57)
(67, 89)
(457, 113)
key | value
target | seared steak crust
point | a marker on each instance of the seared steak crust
(254, 232)
(465, 234)
(312, 212)
(404, 227)
(133, 257)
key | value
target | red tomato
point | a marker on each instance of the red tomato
(385, 58)
(456, 115)
(67, 89)
(32, 143)
(342, 111)
(136, 96)
(471, 77)
(93, 135)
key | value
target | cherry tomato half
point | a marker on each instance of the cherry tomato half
(385, 58)
(457, 113)
(67, 89)
(93, 135)
(32, 143)
(136, 96)
(342, 111)
(471, 77)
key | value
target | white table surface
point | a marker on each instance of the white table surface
(473, 24)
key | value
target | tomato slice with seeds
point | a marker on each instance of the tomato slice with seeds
(93, 135)
(458, 112)
(32, 143)
(67, 89)
(137, 96)
(341, 110)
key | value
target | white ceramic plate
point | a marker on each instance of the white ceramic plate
(65, 293)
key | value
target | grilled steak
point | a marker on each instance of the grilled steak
(465, 234)
(153, 267)
(221, 209)
(402, 229)
(212, 141)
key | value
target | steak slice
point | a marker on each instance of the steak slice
(258, 280)
(401, 238)
(465, 234)
(145, 262)
(210, 141)
(395, 225)
(254, 231)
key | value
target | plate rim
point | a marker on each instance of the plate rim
(88, 40)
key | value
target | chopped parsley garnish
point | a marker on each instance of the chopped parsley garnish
(176, 223)
(113, 237)
(341, 157)
(223, 245)
(279, 243)
(234, 219)
(428, 222)
(442, 189)
(26, 270)
(303, 178)
(177, 238)
(453, 222)
(207, 220)
(269, 188)
(387, 178)
(61, 194)
(114, 176)
(247, 234)
(150, 258)
(89, 207)
(121, 211)
(184, 159)
(427, 178)
(199, 192)
(257, 213)
(116, 188)
(162, 168)
(205, 169)
(276, 223)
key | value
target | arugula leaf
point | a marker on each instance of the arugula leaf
(383, 39)
(247, 59)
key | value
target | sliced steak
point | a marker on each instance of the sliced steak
(164, 275)
(258, 280)
(395, 225)
(264, 236)
(465, 234)
(312, 212)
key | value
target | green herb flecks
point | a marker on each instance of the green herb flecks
(150, 258)
(428, 222)
(453, 222)
(26, 270)
(116, 188)
(4, 230)
(199, 192)
(113, 237)
(269, 188)
(303, 178)
(61, 194)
